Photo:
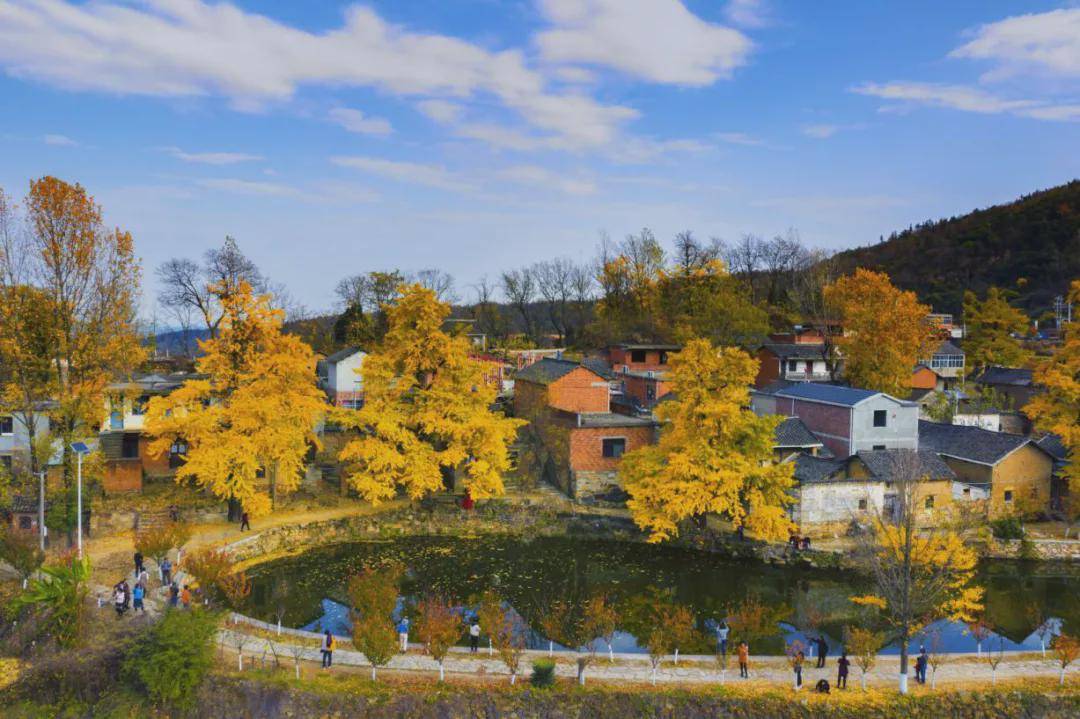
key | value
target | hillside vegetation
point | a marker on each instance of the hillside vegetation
(1031, 245)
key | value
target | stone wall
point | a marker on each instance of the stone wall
(1065, 550)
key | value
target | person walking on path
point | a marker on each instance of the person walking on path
(137, 595)
(245, 521)
(138, 563)
(126, 589)
(118, 598)
(185, 597)
(143, 578)
(796, 664)
(842, 671)
(474, 635)
(403, 634)
(721, 637)
(174, 595)
(166, 572)
(744, 660)
(327, 650)
(823, 651)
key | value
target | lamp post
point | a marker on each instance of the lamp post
(41, 509)
(80, 449)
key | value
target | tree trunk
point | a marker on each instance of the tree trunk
(513, 678)
(904, 661)
(298, 669)
(442, 675)
(551, 647)
(581, 672)
(240, 660)
(676, 656)
(610, 654)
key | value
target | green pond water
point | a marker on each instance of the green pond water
(528, 574)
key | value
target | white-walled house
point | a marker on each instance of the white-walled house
(15, 437)
(339, 377)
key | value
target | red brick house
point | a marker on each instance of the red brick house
(639, 357)
(576, 438)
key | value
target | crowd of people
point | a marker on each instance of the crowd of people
(132, 596)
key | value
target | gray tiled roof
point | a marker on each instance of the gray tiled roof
(343, 354)
(1052, 445)
(598, 366)
(810, 469)
(1014, 376)
(948, 348)
(549, 370)
(793, 433)
(795, 350)
(884, 464)
(973, 444)
(831, 393)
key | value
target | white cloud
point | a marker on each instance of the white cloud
(59, 141)
(247, 187)
(357, 121)
(211, 158)
(1046, 42)
(412, 172)
(968, 99)
(747, 13)
(740, 138)
(660, 41)
(544, 178)
(579, 75)
(820, 132)
(191, 48)
(441, 110)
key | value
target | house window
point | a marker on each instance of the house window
(637, 355)
(929, 502)
(25, 522)
(129, 447)
(650, 392)
(1008, 496)
(879, 447)
(947, 362)
(116, 419)
(792, 366)
(663, 358)
(7, 425)
(177, 453)
(880, 417)
(138, 405)
(862, 505)
(614, 446)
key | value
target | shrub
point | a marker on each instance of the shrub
(543, 673)
(1007, 528)
(172, 660)
(59, 595)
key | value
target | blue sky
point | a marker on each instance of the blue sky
(478, 135)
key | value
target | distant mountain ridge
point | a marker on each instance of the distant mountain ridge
(1031, 245)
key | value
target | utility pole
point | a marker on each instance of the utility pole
(41, 509)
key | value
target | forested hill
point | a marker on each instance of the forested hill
(1031, 245)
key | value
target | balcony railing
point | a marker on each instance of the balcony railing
(803, 376)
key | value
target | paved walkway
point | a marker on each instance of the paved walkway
(628, 668)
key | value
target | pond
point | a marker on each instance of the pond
(528, 573)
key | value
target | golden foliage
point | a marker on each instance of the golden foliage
(714, 454)
(1057, 408)
(426, 408)
(886, 331)
(254, 412)
(156, 541)
(438, 626)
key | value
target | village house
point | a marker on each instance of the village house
(947, 362)
(1016, 471)
(924, 378)
(847, 420)
(578, 440)
(124, 447)
(1059, 485)
(339, 376)
(15, 438)
(793, 362)
(833, 494)
(624, 358)
(1014, 383)
(792, 438)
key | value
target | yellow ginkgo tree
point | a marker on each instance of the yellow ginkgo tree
(714, 454)
(921, 573)
(427, 409)
(253, 410)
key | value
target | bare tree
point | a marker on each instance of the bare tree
(691, 255)
(190, 288)
(439, 282)
(520, 289)
(744, 259)
(808, 294)
(486, 311)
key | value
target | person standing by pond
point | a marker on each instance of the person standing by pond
(137, 595)
(920, 666)
(796, 664)
(842, 671)
(403, 634)
(744, 660)
(327, 650)
(474, 635)
(823, 651)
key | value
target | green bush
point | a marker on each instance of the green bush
(174, 657)
(543, 673)
(1007, 528)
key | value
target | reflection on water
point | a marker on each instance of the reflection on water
(311, 587)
